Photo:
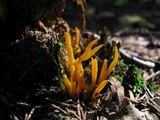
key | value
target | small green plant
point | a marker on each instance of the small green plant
(151, 87)
(129, 76)
(133, 78)
(120, 78)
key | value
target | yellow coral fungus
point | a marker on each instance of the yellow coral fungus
(67, 83)
(114, 62)
(94, 75)
(77, 82)
(70, 52)
(88, 52)
(103, 72)
(99, 88)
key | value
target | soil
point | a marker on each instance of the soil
(29, 59)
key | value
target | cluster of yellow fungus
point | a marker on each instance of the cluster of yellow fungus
(75, 84)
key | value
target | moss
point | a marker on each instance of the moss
(118, 77)
(151, 86)
(133, 78)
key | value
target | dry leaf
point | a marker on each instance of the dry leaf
(130, 112)
(117, 89)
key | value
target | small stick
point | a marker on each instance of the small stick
(78, 110)
(60, 103)
(28, 117)
(152, 75)
(30, 114)
(146, 63)
(154, 108)
(59, 109)
(72, 112)
(41, 25)
(149, 93)
(82, 113)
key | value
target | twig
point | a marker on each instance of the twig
(152, 75)
(82, 113)
(143, 97)
(148, 91)
(60, 103)
(30, 114)
(12, 116)
(136, 102)
(72, 112)
(153, 107)
(146, 63)
(78, 110)
(28, 117)
(59, 109)
(23, 104)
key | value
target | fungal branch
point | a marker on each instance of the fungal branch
(76, 82)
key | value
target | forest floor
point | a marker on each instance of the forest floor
(32, 35)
